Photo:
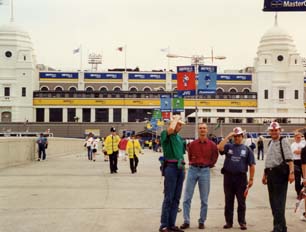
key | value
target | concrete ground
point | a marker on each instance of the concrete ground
(72, 194)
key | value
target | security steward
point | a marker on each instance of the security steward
(238, 157)
(111, 144)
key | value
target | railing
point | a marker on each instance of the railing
(138, 94)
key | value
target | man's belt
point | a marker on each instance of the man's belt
(200, 165)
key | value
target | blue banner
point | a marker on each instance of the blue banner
(108, 76)
(234, 77)
(207, 82)
(59, 75)
(284, 5)
(147, 76)
(165, 103)
(173, 76)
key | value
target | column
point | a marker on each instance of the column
(92, 114)
(79, 114)
(111, 115)
(65, 115)
(124, 115)
(47, 114)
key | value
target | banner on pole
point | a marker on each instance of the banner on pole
(207, 82)
(165, 103)
(178, 104)
(166, 115)
(284, 5)
(186, 80)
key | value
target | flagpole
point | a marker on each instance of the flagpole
(81, 55)
(168, 59)
(125, 57)
(12, 10)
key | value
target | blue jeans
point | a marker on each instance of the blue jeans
(173, 185)
(202, 176)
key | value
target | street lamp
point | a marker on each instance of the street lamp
(196, 60)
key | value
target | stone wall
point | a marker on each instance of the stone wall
(20, 150)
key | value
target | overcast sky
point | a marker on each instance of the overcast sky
(232, 27)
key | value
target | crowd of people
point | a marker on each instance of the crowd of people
(284, 163)
(126, 147)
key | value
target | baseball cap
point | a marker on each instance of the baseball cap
(113, 129)
(274, 125)
(238, 131)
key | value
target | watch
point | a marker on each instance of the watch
(292, 172)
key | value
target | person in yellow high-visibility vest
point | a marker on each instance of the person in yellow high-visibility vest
(111, 146)
(133, 149)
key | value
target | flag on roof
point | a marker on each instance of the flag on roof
(77, 50)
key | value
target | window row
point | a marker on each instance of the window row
(281, 94)
(7, 91)
(102, 89)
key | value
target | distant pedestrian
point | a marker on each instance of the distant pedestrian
(202, 155)
(122, 147)
(42, 143)
(278, 171)
(88, 144)
(174, 174)
(296, 148)
(260, 148)
(111, 146)
(238, 157)
(133, 149)
(95, 147)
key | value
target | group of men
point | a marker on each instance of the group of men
(238, 174)
(111, 150)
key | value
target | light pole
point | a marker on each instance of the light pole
(196, 60)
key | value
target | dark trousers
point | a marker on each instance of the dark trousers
(89, 152)
(234, 185)
(277, 187)
(113, 161)
(134, 164)
(173, 185)
(260, 150)
(42, 151)
(298, 175)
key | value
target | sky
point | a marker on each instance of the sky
(233, 28)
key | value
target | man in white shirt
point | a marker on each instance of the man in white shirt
(296, 148)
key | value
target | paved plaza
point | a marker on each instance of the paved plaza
(70, 193)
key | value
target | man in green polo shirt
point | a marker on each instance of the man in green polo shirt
(174, 173)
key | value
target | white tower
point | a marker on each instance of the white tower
(278, 79)
(18, 78)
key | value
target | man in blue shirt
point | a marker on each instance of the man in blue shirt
(42, 143)
(174, 173)
(238, 157)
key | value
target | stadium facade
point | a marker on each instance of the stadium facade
(273, 89)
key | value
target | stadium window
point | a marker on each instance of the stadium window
(266, 94)
(296, 94)
(281, 94)
(7, 91)
(24, 92)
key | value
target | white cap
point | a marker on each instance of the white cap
(238, 131)
(274, 125)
